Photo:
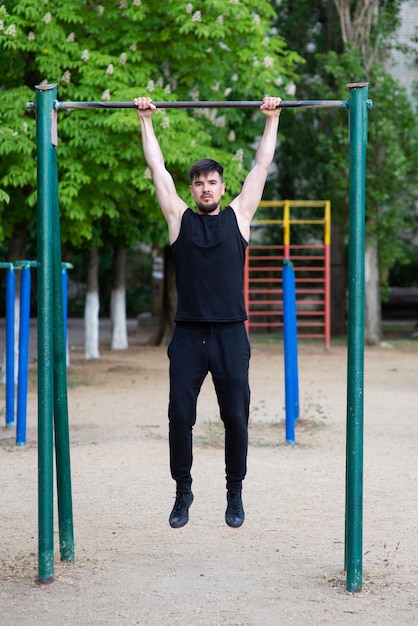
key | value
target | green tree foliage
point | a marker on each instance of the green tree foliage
(115, 50)
(314, 159)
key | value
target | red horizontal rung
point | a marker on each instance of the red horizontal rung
(266, 257)
(266, 324)
(307, 268)
(263, 280)
(255, 291)
(306, 247)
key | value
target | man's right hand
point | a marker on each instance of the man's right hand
(144, 107)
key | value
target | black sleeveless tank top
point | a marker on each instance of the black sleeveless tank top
(209, 256)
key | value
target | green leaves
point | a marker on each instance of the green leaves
(116, 51)
(314, 160)
(4, 197)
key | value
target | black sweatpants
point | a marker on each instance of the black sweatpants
(223, 350)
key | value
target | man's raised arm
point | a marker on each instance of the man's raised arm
(245, 205)
(171, 204)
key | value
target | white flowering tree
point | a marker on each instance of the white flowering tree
(109, 50)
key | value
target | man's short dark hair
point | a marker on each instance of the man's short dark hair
(205, 167)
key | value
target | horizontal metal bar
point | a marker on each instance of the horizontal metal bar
(202, 104)
(258, 291)
(293, 203)
(266, 302)
(278, 323)
(307, 268)
(254, 257)
(310, 291)
(319, 220)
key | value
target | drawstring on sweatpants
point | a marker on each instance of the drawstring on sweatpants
(206, 331)
(207, 328)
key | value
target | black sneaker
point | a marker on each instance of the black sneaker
(234, 514)
(179, 516)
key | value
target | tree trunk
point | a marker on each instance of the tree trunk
(92, 308)
(358, 19)
(338, 282)
(163, 335)
(372, 308)
(119, 340)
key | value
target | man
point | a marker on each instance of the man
(209, 336)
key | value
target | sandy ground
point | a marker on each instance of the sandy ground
(285, 565)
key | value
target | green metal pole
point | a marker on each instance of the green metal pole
(45, 98)
(62, 437)
(355, 369)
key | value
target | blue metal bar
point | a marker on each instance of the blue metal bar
(290, 350)
(10, 347)
(64, 275)
(22, 380)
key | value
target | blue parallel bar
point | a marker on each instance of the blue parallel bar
(10, 347)
(290, 351)
(64, 275)
(22, 384)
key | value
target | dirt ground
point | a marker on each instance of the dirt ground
(285, 565)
